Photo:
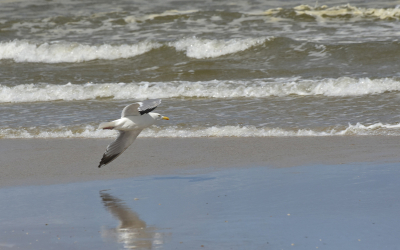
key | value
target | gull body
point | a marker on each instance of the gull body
(132, 122)
(134, 118)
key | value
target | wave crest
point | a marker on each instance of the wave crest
(206, 48)
(348, 10)
(25, 51)
(215, 131)
(323, 12)
(343, 86)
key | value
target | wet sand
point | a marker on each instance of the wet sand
(51, 161)
(206, 193)
(346, 206)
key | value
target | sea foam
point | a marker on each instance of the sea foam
(206, 48)
(25, 51)
(214, 131)
(323, 12)
(343, 86)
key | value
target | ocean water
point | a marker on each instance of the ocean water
(222, 68)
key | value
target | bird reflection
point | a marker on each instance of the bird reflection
(132, 232)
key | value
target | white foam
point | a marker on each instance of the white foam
(167, 13)
(134, 19)
(62, 132)
(24, 51)
(206, 48)
(229, 131)
(322, 12)
(215, 131)
(343, 86)
(373, 129)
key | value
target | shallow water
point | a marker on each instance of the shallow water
(242, 68)
(352, 206)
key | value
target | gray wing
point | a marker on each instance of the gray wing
(131, 110)
(117, 147)
(148, 105)
(140, 108)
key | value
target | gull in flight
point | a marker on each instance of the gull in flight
(134, 118)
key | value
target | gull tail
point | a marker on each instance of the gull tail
(107, 125)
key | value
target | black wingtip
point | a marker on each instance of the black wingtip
(142, 112)
(103, 161)
(107, 159)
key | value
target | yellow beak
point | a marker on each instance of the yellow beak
(165, 118)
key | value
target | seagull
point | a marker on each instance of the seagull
(134, 118)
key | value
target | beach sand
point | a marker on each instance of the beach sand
(201, 193)
(51, 161)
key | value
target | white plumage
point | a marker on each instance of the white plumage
(134, 118)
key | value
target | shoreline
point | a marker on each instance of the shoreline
(54, 161)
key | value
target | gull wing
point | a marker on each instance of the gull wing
(148, 105)
(131, 110)
(140, 108)
(117, 147)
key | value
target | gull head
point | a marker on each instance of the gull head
(157, 116)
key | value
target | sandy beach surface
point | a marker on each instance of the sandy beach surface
(207, 193)
(51, 161)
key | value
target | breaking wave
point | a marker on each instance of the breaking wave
(343, 86)
(25, 51)
(205, 48)
(342, 11)
(215, 131)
